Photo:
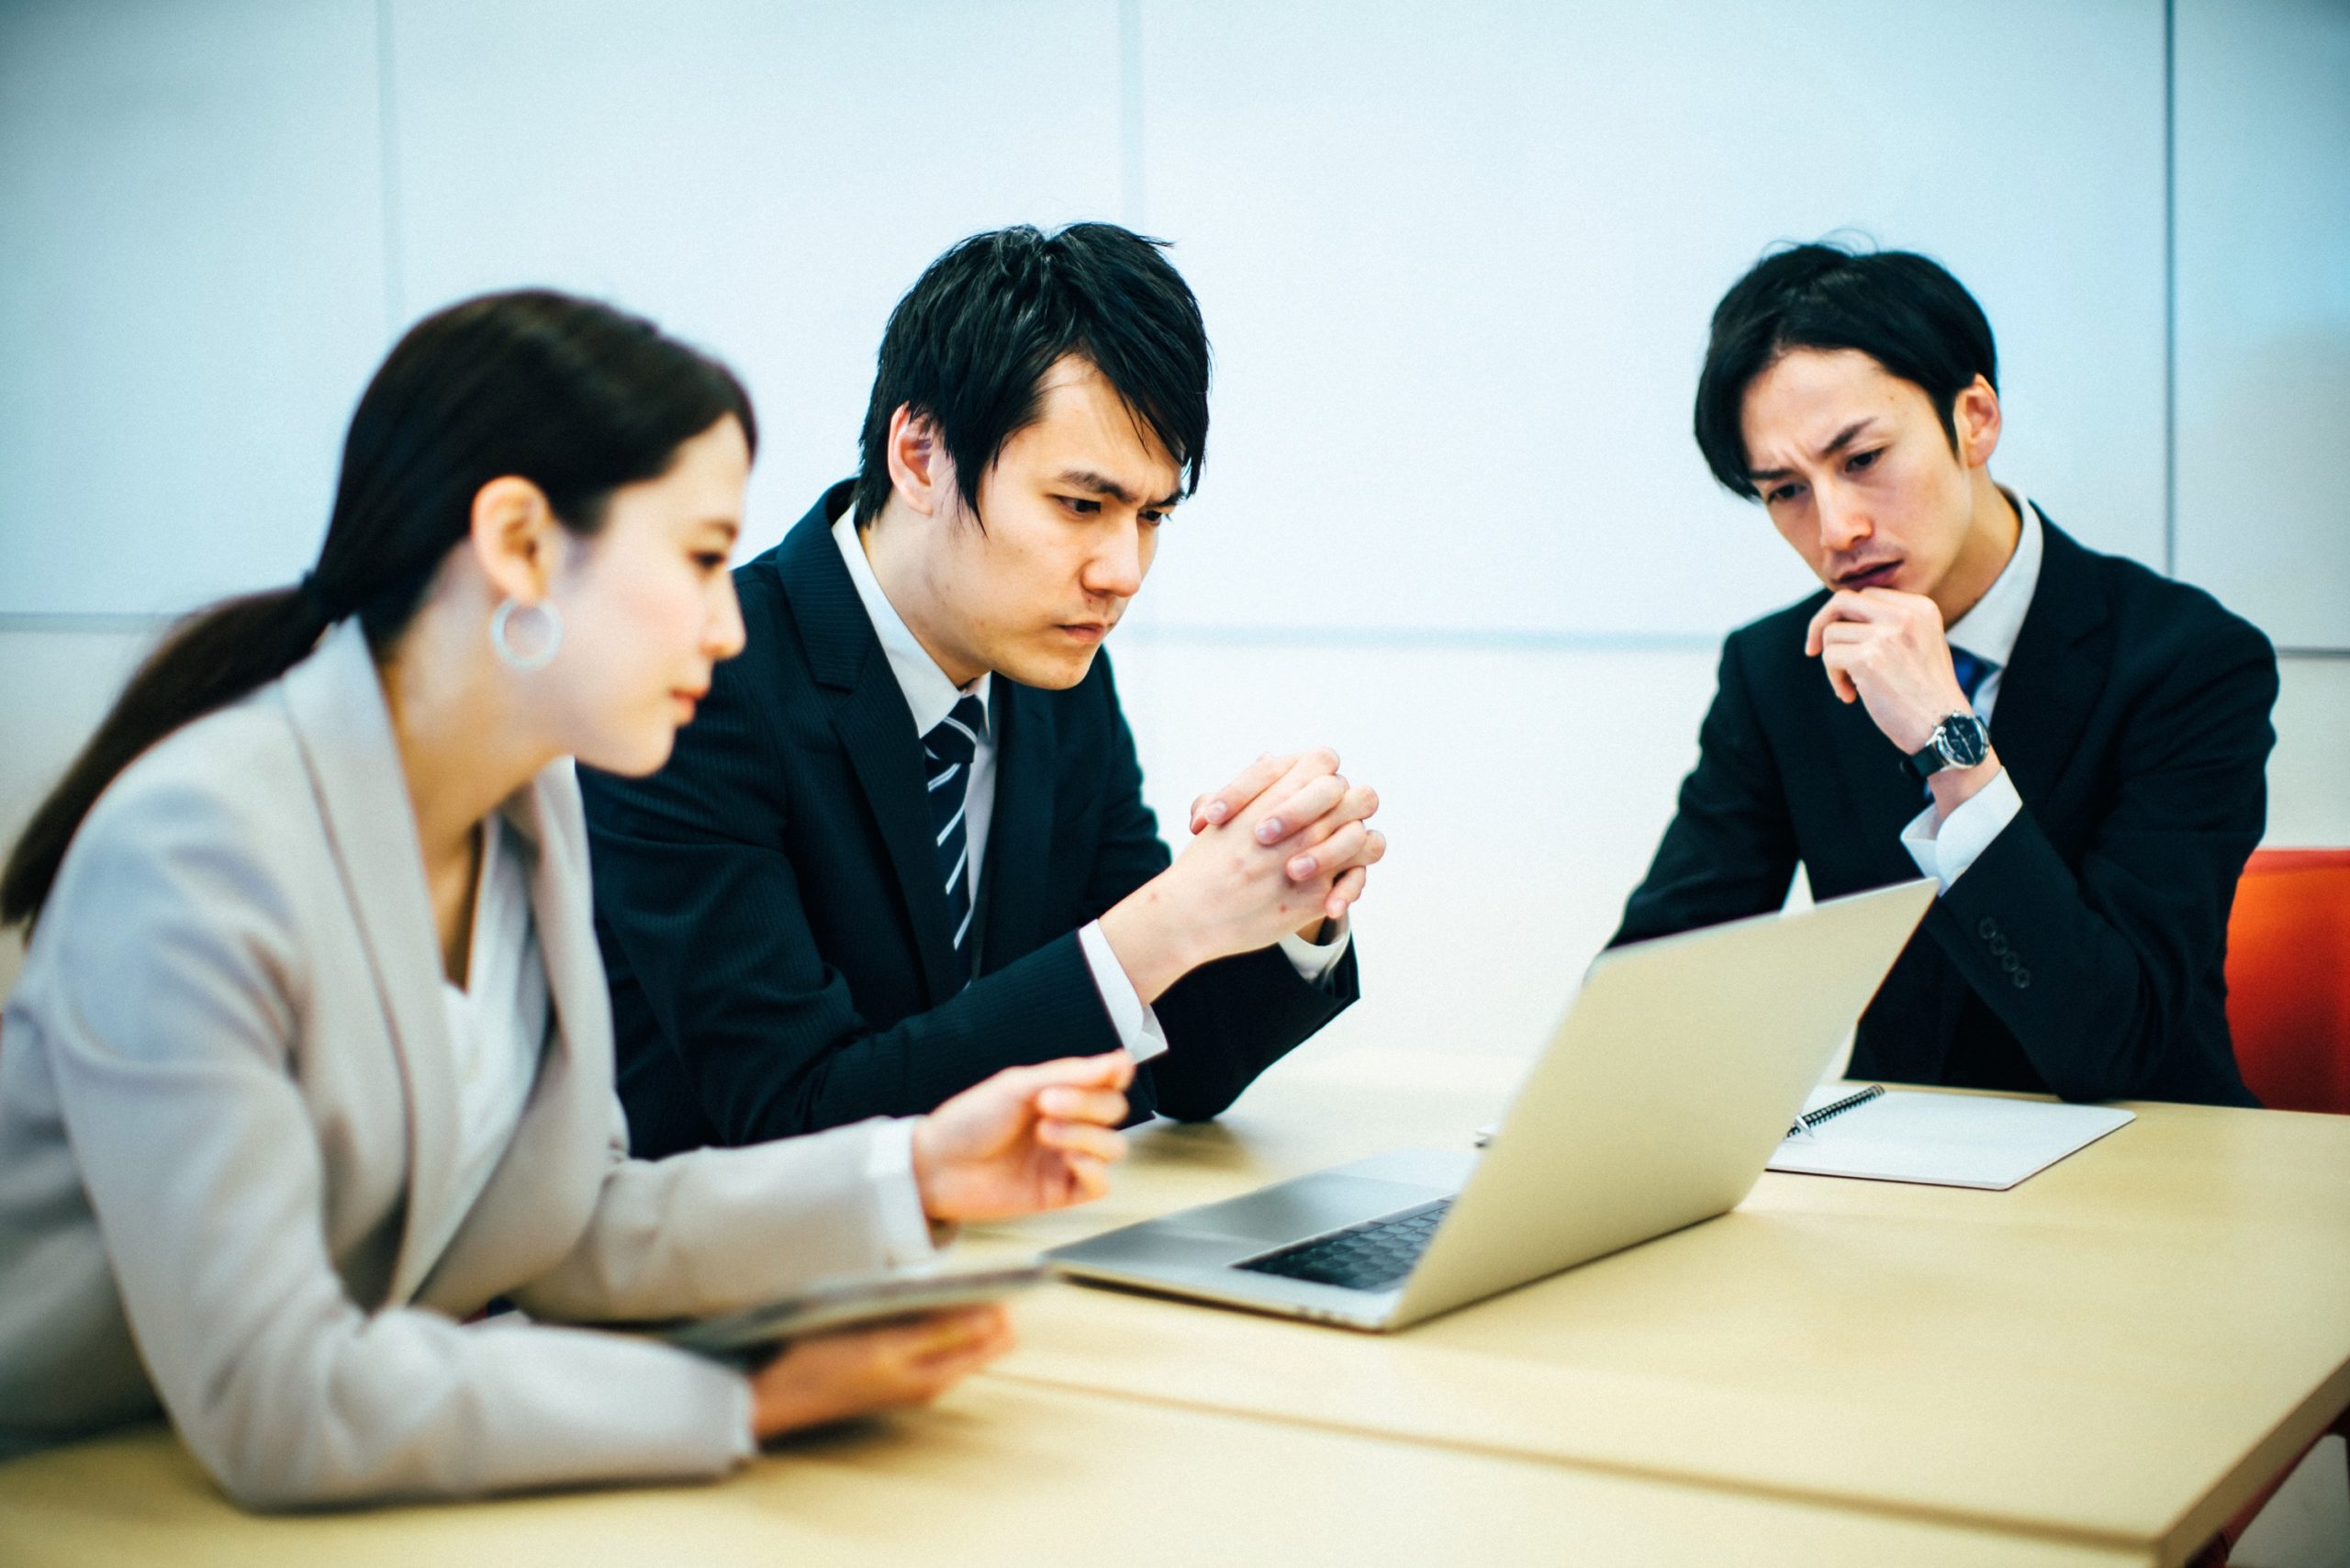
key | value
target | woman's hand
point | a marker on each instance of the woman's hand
(831, 1377)
(1029, 1138)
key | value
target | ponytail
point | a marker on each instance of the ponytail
(211, 660)
(573, 396)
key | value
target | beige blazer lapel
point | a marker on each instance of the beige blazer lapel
(548, 816)
(545, 1186)
(336, 705)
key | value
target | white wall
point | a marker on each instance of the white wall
(192, 292)
(1459, 263)
(2264, 311)
(1457, 266)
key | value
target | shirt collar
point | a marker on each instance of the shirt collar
(1989, 630)
(930, 696)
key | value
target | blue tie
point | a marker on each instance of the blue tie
(1972, 671)
(947, 751)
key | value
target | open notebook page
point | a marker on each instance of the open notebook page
(1944, 1140)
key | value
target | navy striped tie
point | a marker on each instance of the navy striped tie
(1972, 671)
(946, 759)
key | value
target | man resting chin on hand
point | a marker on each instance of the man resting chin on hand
(2071, 745)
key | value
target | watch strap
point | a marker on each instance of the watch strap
(1935, 756)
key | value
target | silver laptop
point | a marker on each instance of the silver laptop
(1675, 1074)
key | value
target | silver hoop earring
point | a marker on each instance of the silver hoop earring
(500, 622)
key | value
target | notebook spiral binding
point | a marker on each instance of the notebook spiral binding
(1838, 1108)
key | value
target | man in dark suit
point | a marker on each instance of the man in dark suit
(2087, 842)
(904, 844)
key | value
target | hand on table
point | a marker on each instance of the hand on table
(832, 1377)
(1027, 1139)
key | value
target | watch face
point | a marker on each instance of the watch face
(1962, 741)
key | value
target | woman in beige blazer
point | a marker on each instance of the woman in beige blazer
(310, 1059)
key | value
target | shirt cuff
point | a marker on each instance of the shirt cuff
(1945, 852)
(1136, 1025)
(746, 1440)
(1312, 962)
(889, 1165)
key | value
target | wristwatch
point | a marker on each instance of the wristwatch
(1960, 741)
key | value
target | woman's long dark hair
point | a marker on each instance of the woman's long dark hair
(576, 397)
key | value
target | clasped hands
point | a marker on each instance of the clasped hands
(1889, 651)
(1286, 846)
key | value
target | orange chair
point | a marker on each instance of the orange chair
(2288, 979)
(2289, 1008)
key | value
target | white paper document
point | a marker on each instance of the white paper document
(1944, 1140)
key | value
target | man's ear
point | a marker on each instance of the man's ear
(1974, 423)
(513, 538)
(920, 470)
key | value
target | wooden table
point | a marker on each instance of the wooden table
(2091, 1370)
(2117, 1353)
(998, 1474)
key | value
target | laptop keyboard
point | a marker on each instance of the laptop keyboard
(1368, 1257)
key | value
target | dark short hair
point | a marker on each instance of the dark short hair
(1904, 311)
(969, 344)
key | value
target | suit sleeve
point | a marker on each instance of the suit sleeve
(2096, 973)
(1225, 1022)
(170, 1028)
(718, 1229)
(1730, 851)
(699, 905)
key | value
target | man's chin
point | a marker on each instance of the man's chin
(1054, 671)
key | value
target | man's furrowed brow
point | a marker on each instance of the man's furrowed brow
(1846, 436)
(1102, 484)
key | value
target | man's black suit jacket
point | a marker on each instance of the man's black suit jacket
(2082, 952)
(771, 919)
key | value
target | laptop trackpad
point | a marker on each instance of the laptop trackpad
(1309, 1206)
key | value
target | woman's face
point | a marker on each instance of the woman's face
(648, 608)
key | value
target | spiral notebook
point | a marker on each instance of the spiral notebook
(1941, 1140)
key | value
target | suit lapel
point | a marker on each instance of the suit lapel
(2056, 673)
(1012, 888)
(345, 732)
(549, 832)
(876, 729)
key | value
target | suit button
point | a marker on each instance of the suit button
(2008, 962)
(2021, 978)
(1986, 928)
(1999, 948)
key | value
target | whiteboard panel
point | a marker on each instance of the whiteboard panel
(1458, 264)
(2264, 311)
(191, 292)
(766, 180)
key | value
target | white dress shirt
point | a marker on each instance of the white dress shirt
(496, 1023)
(1943, 851)
(930, 697)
